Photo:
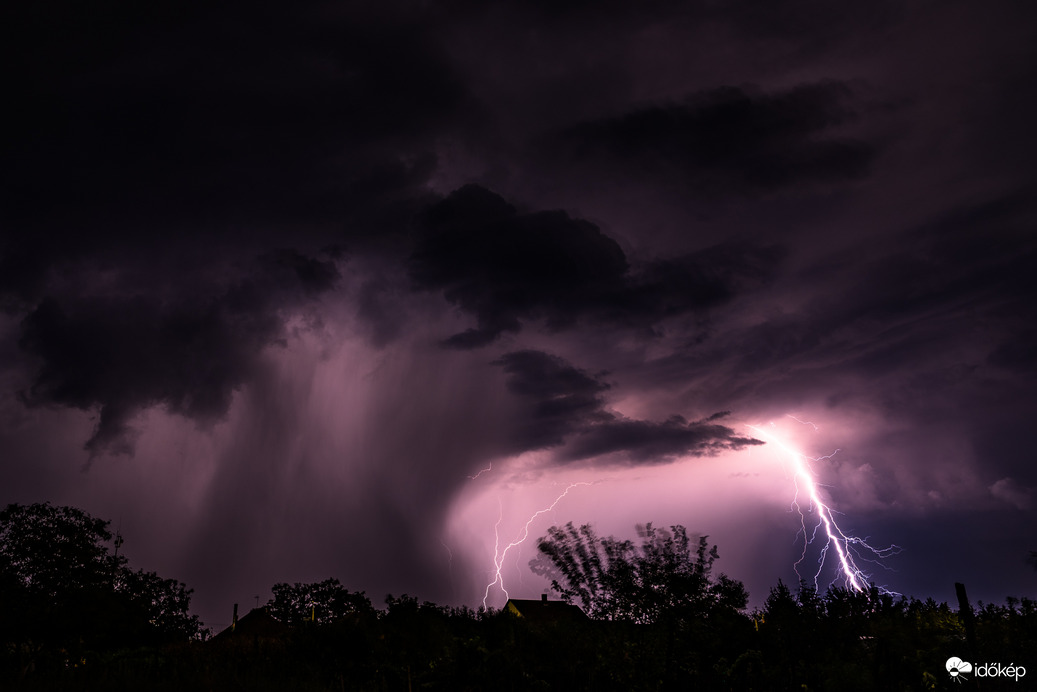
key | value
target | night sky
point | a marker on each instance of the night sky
(278, 281)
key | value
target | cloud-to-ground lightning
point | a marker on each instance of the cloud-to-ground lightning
(848, 548)
(499, 554)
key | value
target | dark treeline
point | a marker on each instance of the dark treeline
(652, 616)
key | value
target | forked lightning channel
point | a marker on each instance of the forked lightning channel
(847, 547)
(499, 554)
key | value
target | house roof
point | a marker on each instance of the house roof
(257, 622)
(543, 610)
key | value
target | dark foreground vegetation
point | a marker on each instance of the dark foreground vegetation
(74, 616)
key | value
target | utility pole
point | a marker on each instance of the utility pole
(967, 617)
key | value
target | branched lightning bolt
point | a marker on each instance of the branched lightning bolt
(499, 554)
(848, 548)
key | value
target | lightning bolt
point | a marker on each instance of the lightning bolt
(499, 554)
(449, 556)
(848, 548)
(488, 468)
(804, 422)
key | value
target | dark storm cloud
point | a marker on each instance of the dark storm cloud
(203, 134)
(505, 267)
(562, 399)
(120, 354)
(972, 267)
(703, 279)
(639, 441)
(501, 265)
(566, 409)
(811, 24)
(210, 113)
(937, 314)
(731, 139)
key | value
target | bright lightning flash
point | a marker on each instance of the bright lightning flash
(499, 554)
(848, 548)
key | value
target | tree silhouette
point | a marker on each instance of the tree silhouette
(49, 551)
(163, 603)
(666, 575)
(65, 596)
(324, 602)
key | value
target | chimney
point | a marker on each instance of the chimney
(543, 598)
(234, 622)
